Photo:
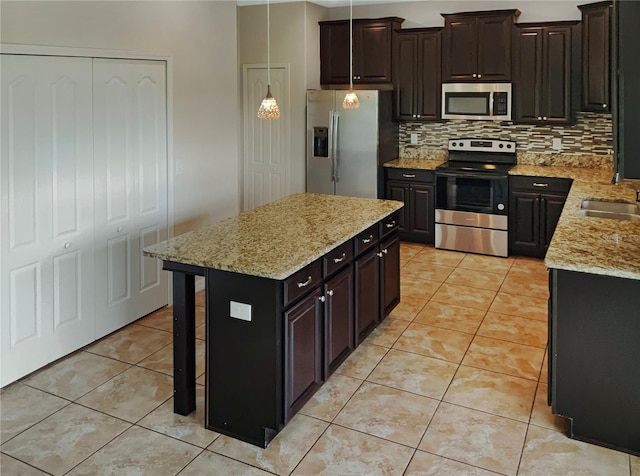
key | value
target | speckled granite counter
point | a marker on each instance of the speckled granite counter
(276, 240)
(588, 244)
(406, 163)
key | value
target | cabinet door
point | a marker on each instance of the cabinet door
(429, 83)
(527, 74)
(405, 75)
(550, 210)
(303, 355)
(422, 211)
(400, 191)
(460, 52)
(390, 275)
(524, 223)
(334, 53)
(494, 48)
(339, 320)
(367, 294)
(556, 81)
(372, 52)
(596, 67)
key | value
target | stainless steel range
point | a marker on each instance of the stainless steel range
(472, 196)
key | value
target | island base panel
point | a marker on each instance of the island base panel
(244, 392)
(595, 372)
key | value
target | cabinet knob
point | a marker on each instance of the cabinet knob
(544, 118)
(414, 116)
(539, 118)
(479, 76)
(419, 116)
(604, 106)
(322, 299)
(475, 75)
(330, 292)
(379, 255)
(67, 245)
(385, 251)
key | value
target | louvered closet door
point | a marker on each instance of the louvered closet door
(131, 189)
(46, 225)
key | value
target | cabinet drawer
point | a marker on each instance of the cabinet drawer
(390, 224)
(541, 184)
(337, 258)
(409, 175)
(302, 281)
(367, 239)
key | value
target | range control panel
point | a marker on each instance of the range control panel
(482, 145)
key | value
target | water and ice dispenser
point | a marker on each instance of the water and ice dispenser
(320, 142)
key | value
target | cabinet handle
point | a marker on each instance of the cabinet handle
(337, 260)
(391, 225)
(536, 184)
(322, 299)
(306, 283)
(379, 255)
(409, 175)
(367, 240)
(330, 292)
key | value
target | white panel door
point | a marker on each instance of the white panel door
(266, 152)
(46, 229)
(131, 189)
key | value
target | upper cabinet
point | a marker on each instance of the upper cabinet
(596, 65)
(372, 50)
(477, 46)
(545, 55)
(416, 75)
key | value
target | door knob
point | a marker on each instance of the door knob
(119, 229)
(67, 245)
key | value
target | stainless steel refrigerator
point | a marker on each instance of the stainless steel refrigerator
(347, 147)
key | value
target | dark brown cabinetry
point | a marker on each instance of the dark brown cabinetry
(596, 53)
(367, 274)
(415, 189)
(390, 274)
(477, 46)
(372, 50)
(544, 57)
(534, 210)
(416, 77)
(338, 320)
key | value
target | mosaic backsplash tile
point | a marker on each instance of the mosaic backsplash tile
(588, 143)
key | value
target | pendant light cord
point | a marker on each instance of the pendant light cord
(268, 47)
(351, 44)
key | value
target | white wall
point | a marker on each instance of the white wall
(427, 13)
(201, 37)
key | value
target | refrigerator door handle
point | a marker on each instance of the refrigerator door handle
(336, 166)
(331, 154)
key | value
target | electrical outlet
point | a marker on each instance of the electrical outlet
(557, 143)
(414, 139)
(240, 310)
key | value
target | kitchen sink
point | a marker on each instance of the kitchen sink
(612, 210)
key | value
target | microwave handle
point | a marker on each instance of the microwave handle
(491, 99)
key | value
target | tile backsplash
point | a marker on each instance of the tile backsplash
(587, 143)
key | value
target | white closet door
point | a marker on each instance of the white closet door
(46, 229)
(131, 189)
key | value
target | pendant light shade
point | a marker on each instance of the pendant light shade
(269, 107)
(351, 99)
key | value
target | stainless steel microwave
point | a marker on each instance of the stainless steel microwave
(477, 101)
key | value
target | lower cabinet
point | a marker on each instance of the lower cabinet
(534, 210)
(338, 320)
(390, 275)
(367, 271)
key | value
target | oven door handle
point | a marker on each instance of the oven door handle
(469, 175)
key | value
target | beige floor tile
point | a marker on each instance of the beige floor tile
(426, 270)
(441, 257)
(141, 452)
(434, 342)
(162, 360)
(414, 373)
(200, 315)
(341, 451)
(524, 285)
(201, 380)
(12, 467)
(23, 407)
(130, 395)
(426, 464)
(409, 250)
(188, 428)
(417, 288)
(523, 264)
(544, 371)
(388, 413)
(477, 438)
(283, 453)
(76, 375)
(331, 397)
(549, 452)
(408, 308)
(492, 264)
(218, 465)
(541, 414)
(362, 361)
(387, 332)
(522, 306)
(450, 316)
(505, 357)
(476, 279)
(464, 296)
(161, 319)
(201, 332)
(66, 438)
(635, 465)
(514, 329)
(201, 300)
(491, 392)
(131, 344)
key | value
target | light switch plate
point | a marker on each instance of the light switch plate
(414, 139)
(557, 143)
(240, 310)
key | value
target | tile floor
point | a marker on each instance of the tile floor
(452, 383)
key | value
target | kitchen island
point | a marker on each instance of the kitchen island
(292, 287)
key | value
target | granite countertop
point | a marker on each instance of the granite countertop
(405, 163)
(588, 244)
(278, 239)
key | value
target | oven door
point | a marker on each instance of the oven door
(472, 192)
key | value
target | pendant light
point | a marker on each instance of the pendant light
(351, 99)
(269, 107)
